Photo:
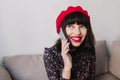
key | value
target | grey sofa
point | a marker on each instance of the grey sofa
(31, 67)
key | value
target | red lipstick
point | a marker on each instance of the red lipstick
(76, 38)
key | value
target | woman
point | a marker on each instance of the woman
(72, 58)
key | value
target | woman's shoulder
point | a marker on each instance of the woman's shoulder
(50, 50)
(51, 53)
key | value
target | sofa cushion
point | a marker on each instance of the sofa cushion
(31, 67)
(106, 76)
(26, 67)
(115, 59)
(101, 57)
(4, 75)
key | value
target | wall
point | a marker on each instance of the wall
(27, 26)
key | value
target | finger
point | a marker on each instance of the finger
(66, 51)
(64, 42)
(66, 46)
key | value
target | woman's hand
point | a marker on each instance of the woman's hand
(67, 59)
(65, 55)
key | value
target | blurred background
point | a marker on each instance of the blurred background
(28, 26)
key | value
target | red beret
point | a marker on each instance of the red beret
(69, 10)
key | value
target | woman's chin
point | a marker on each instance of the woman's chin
(76, 44)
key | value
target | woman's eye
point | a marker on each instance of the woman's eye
(82, 26)
(70, 26)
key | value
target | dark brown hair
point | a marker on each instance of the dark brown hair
(79, 18)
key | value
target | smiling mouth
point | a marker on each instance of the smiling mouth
(76, 38)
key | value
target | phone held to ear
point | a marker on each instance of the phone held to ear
(62, 36)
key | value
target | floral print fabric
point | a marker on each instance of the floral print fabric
(83, 65)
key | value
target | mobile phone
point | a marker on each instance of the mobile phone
(61, 35)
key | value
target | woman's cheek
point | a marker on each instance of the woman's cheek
(69, 32)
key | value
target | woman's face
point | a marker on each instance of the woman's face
(76, 34)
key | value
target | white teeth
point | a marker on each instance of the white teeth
(76, 38)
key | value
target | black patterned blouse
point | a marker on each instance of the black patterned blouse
(83, 65)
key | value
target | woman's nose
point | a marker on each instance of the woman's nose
(77, 31)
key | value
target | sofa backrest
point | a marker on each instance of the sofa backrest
(115, 59)
(26, 67)
(102, 57)
(31, 67)
(4, 75)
